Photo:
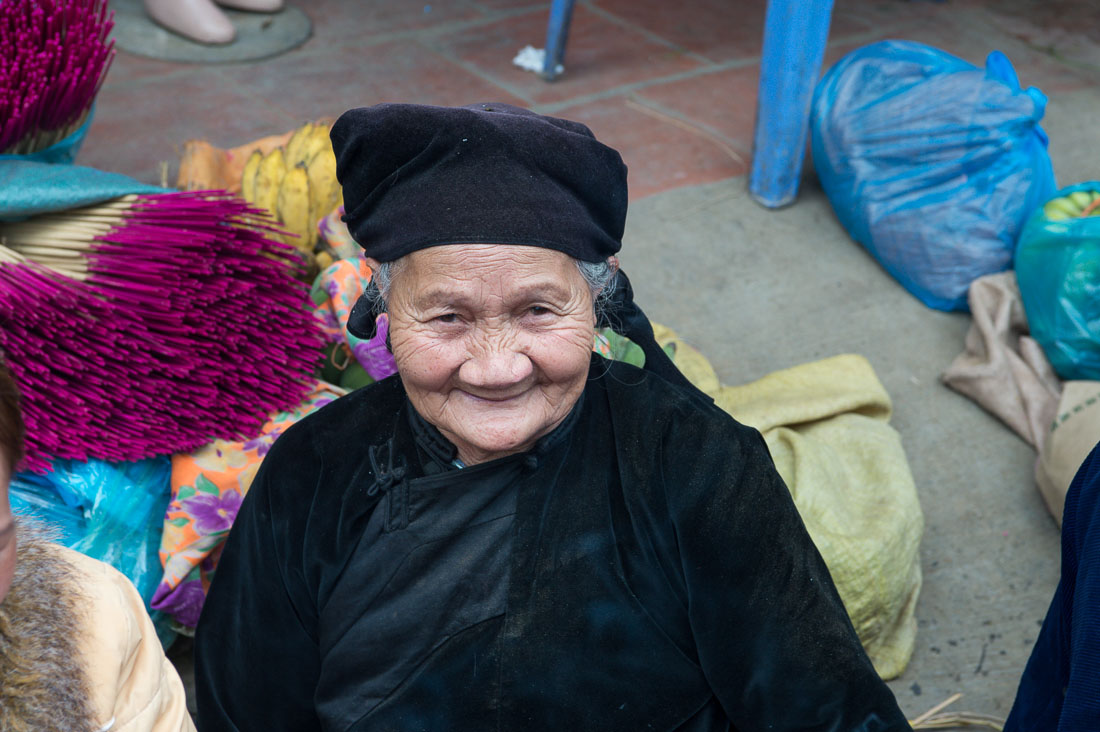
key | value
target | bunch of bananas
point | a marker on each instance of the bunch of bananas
(296, 183)
(1073, 206)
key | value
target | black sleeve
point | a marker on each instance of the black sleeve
(1060, 686)
(773, 637)
(256, 659)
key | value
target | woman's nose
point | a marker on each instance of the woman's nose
(496, 368)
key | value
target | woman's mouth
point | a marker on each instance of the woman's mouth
(494, 398)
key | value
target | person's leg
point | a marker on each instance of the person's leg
(199, 20)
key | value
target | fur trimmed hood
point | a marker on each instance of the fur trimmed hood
(43, 686)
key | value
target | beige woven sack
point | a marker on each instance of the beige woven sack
(1073, 434)
(826, 424)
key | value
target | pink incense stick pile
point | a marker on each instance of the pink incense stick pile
(54, 55)
(189, 326)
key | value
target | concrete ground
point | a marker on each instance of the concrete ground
(672, 85)
(762, 290)
(782, 288)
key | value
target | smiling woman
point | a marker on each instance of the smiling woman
(493, 343)
(512, 533)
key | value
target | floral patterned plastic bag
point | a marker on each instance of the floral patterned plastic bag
(208, 486)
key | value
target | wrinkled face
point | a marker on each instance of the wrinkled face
(492, 342)
(7, 530)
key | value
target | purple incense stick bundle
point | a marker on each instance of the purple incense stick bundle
(54, 55)
(59, 341)
(164, 321)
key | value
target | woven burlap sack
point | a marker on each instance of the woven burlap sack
(1073, 433)
(1002, 368)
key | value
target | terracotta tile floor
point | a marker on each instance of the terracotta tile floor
(672, 84)
(659, 153)
(605, 55)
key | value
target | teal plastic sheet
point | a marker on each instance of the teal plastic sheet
(62, 152)
(28, 188)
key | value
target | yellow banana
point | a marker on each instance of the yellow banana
(1095, 211)
(1080, 199)
(1061, 206)
(248, 177)
(269, 178)
(294, 208)
(296, 144)
(317, 141)
(323, 185)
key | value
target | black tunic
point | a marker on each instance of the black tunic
(642, 568)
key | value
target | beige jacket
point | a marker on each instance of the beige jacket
(133, 686)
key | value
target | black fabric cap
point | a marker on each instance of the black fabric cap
(416, 176)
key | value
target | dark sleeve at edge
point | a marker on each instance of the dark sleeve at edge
(774, 639)
(1060, 686)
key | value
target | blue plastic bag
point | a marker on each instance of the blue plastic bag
(930, 163)
(113, 512)
(1058, 269)
(36, 496)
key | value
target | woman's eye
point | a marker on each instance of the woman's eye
(446, 318)
(538, 310)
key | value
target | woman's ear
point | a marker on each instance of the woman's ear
(373, 264)
(612, 262)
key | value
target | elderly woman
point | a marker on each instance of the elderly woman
(78, 653)
(513, 533)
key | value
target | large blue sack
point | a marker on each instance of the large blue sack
(1058, 269)
(930, 163)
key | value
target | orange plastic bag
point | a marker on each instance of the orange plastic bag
(203, 166)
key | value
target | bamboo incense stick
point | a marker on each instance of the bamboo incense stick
(938, 708)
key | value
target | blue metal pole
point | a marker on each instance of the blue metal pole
(557, 32)
(795, 32)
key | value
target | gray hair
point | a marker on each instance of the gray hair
(600, 277)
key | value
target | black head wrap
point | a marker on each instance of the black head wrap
(417, 176)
